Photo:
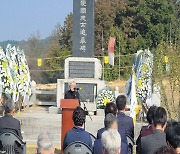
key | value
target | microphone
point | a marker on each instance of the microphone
(77, 88)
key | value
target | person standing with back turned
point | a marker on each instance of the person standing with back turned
(150, 143)
(124, 121)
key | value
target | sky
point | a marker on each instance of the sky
(19, 19)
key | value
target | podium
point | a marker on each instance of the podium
(68, 106)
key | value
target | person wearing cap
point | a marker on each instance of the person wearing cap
(8, 123)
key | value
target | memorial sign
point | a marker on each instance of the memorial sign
(80, 69)
(83, 28)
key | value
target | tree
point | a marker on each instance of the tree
(166, 74)
(125, 19)
(35, 51)
(140, 24)
(153, 21)
(54, 62)
(104, 20)
(65, 32)
(34, 45)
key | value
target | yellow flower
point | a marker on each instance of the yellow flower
(8, 79)
(166, 59)
(144, 68)
(16, 67)
(19, 113)
(106, 101)
(138, 108)
(134, 120)
(4, 65)
(21, 80)
(25, 77)
(139, 83)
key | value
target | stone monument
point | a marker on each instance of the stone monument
(83, 28)
(83, 68)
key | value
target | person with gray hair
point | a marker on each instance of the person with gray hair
(45, 143)
(111, 142)
(110, 122)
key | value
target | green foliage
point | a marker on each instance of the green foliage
(55, 64)
(153, 21)
(104, 21)
(65, 33)
(137, 24)
(34, 50)
(166, 74)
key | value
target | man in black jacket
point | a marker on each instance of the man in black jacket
(72, 93)
(124, 122)
(150, 143)
(9, 124)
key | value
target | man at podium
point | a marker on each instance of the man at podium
(72, 93)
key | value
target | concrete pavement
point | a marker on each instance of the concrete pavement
(37, 119)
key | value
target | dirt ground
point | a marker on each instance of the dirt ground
(50, 86)
(120, 83)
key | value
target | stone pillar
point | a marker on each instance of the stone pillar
(33, 90)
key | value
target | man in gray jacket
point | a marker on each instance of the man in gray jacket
(150, 143)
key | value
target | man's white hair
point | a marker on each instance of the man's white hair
(45, 141)
(111, 141)
(70, 82)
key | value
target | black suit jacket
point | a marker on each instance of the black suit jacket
(10, 124)
(121, 132)
(125, 122)
(71, 95)
(150, 143)
(145, 131)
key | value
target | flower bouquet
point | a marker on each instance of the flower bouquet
(104, 96)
